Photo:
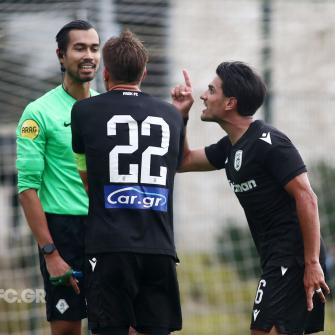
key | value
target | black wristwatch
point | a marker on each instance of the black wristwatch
(48, 249)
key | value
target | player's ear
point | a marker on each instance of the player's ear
(105, 75)
(231, 103)
(144, 74)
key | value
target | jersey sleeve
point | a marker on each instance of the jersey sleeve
(283, 160)
(77, 141)
(30, 152)
(217, 153)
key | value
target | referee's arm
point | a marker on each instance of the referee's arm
(30, 166)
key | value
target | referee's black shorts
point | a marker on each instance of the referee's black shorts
(68, 233)
(280, 301)
(132, 289)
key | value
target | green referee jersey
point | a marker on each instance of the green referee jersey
(45, 160)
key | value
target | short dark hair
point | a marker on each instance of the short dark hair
(241, 82)
(62, 37)
(125, 58)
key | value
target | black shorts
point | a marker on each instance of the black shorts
(280, 301)
(130, 289)
(68, 233)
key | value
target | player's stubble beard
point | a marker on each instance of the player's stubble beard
(206, 118)
(76, 77)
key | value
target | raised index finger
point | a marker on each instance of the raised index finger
(187, 78)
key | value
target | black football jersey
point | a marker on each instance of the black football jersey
(258, 166)
(133, 144)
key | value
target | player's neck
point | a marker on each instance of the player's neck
(77, 90)
(124, 87)
(236, 127)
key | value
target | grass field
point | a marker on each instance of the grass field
(214, 301)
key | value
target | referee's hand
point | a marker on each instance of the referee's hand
(57, 267)
(66, 279)
(315, 284)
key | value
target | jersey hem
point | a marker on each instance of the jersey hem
(136, 251)
(65, 213)
(285, 261)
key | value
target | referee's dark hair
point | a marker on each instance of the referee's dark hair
(241, 82)
(62, 37)
(125, 58)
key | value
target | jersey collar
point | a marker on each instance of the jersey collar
(251, 132)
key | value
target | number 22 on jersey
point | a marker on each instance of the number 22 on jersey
(133, 176)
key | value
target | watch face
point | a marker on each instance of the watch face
(48, 248)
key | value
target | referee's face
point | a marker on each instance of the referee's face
(82, 57)
(214, 101)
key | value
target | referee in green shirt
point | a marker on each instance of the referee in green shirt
(51, 192)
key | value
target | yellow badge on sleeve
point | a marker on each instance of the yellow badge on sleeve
(30, 129)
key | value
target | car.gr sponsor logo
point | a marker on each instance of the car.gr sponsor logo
(136, 197)
(243, 187)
